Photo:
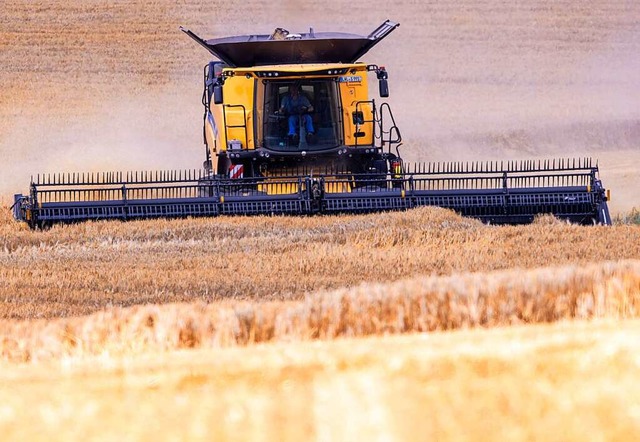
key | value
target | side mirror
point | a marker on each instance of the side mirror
(382, 75)
(217, 94)
(384, 87)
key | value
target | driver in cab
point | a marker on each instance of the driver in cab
(297, 105)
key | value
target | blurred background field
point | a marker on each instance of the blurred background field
(566, 381)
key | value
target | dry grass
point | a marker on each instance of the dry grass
(423, 304)
(631, 217)
(80, 269)
(562, 382)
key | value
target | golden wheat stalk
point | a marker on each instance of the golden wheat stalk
(423, 304)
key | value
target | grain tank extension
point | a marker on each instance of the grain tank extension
(291, 127)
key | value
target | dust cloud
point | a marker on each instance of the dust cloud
(470, 80)
(121, 133)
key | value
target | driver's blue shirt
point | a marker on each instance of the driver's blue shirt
(293, 105)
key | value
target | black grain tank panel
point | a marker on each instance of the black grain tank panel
(321, 47)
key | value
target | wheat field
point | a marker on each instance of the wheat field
(565, 381)
(541, 336)
(80, 269)
(414, 305)
(417, 325)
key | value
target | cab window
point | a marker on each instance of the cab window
(322, 120)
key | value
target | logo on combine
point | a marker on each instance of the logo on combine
(351, 79)
(236, 171)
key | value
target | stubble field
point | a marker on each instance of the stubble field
(417, 325)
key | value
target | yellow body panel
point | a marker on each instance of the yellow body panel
(286, 188)
(351, 93)
(278, 188)
(238, 91)
(242, 87)
(341, 186)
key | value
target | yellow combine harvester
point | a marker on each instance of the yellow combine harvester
(290, 127)
(296, 104)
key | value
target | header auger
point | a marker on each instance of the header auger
(290, 128)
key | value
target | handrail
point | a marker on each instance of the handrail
(236, 126)
(372, 121)
(393, 127)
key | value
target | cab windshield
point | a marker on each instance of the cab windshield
(300, 115)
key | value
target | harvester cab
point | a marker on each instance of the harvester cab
(289, 103)
(291, 127)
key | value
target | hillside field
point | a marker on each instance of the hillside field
(419, 325)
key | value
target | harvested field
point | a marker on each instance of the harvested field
(80, 269)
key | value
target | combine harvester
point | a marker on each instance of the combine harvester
(328, 148)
